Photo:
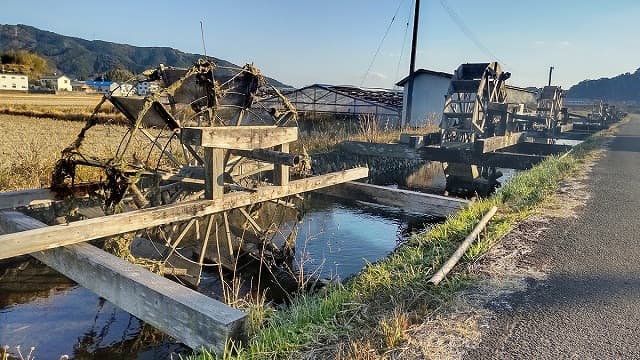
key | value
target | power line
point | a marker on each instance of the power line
(467, 32)
(380, 44)
(404, 42)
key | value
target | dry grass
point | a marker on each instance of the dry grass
(106, 115)
(368, 129)
(31, 147)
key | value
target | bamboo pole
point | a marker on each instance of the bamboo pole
(453, 260)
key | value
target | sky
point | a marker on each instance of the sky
(301, 42)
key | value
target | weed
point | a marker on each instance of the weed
(393, 328)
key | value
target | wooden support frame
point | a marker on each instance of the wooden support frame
(239, 137)
(15, 199)
(60, 235)
(190, 317)
(498, 142)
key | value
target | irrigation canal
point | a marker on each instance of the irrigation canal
(335, 239)
(41, 308)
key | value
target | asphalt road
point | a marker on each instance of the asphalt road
(589, 307)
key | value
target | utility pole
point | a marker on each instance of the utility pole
(550, 71)
(412, 65)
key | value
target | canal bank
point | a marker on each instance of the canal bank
(372, 313)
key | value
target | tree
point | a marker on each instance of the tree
(31, 64)
(118, 75)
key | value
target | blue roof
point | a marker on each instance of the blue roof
(99, 83)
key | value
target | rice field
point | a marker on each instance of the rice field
(31, 146)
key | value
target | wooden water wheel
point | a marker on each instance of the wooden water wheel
(475, 105)
(154, 166)
(475, 108)
(550, 106)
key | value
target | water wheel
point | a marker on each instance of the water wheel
(550, 107)
(475, 108)
(152, 167)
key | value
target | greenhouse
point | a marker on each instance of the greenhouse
(345, 102)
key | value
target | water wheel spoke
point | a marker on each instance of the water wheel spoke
(252, 221)
(162, 149)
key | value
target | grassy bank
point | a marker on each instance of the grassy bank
(367, 318)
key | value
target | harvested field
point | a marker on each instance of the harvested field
(75, 99)
(31, 146)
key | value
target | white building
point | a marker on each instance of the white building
(14, 82)
(146, 87)
(429, 89)
(56, 82)
(123, 89)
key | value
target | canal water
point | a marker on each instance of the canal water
(41, 308)
(335, 240)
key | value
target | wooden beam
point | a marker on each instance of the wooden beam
(190, 317)
(436, 153)
(59, 235)
(42, 197)
(239, 137)
(16, 199)
(537, 149)
(498, 142)
(213, 173)
(399, 151)
(281, 172)
(407, 200)
(495, 159)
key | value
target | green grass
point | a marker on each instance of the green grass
(398, 285)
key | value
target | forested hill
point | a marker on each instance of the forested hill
(624, 87)
(83, 58)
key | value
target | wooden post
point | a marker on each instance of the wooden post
(281, 172)
(213, 173)
(190, 317)
(412, 66)
(453, 260)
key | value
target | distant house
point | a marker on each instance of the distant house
(100, 86)
(144, 88)
(56, 82)
(14, 82)
(81, 86)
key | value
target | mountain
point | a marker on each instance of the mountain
(624, 87)
(82, 58)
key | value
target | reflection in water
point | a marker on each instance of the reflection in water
(337, 238)
(428, 178)
(41, 308)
